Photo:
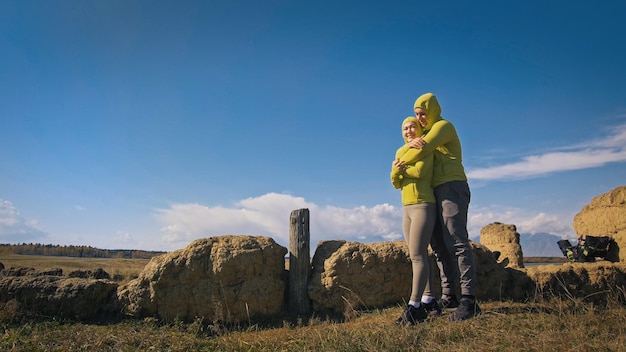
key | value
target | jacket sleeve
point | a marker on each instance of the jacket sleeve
(441, 133)
(396, 180)
(413, 171)
(396, 175)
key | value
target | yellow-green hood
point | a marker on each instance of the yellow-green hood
(428, 102)
(418, 131)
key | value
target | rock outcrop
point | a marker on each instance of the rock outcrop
(505, 240)
(234, 279)
(601, 282)
(495, 281)
(227, 278)
(347, 276)
(90, 274)
(55, 296)
(605, 215)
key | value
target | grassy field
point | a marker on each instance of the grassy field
(539, 325)
(126, 268)
(562, 326)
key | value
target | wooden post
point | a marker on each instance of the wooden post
(299, 263)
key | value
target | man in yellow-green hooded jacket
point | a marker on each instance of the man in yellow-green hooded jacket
(450, 239)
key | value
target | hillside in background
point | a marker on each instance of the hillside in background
(76, 251)
(540, 245)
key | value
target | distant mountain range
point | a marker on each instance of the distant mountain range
(541, 245)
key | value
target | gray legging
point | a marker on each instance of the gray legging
(450, 240)
(418, 221)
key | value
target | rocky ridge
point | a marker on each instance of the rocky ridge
(243, 278)
(605, 215)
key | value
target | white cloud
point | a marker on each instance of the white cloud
(526, 221)
(268, 215)
(591, 154)
(15, 229)
(124, 237)
(616, 138)
(360, 223)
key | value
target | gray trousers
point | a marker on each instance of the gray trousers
(450, 240)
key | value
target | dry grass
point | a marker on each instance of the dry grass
(124, 268)
(502, 327)
(552, 325)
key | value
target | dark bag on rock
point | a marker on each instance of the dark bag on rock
(570, 252)
(595, 246)
(588, 248)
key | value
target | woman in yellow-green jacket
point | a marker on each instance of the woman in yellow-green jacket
(418, 219)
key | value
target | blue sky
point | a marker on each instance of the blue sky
(148, 124)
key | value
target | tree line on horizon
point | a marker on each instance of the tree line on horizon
(76, 251)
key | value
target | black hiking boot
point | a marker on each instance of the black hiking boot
(468, 308)
(432, 308)
(411, 315)
(448, 303)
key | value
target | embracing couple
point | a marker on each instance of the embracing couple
(429, 172)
